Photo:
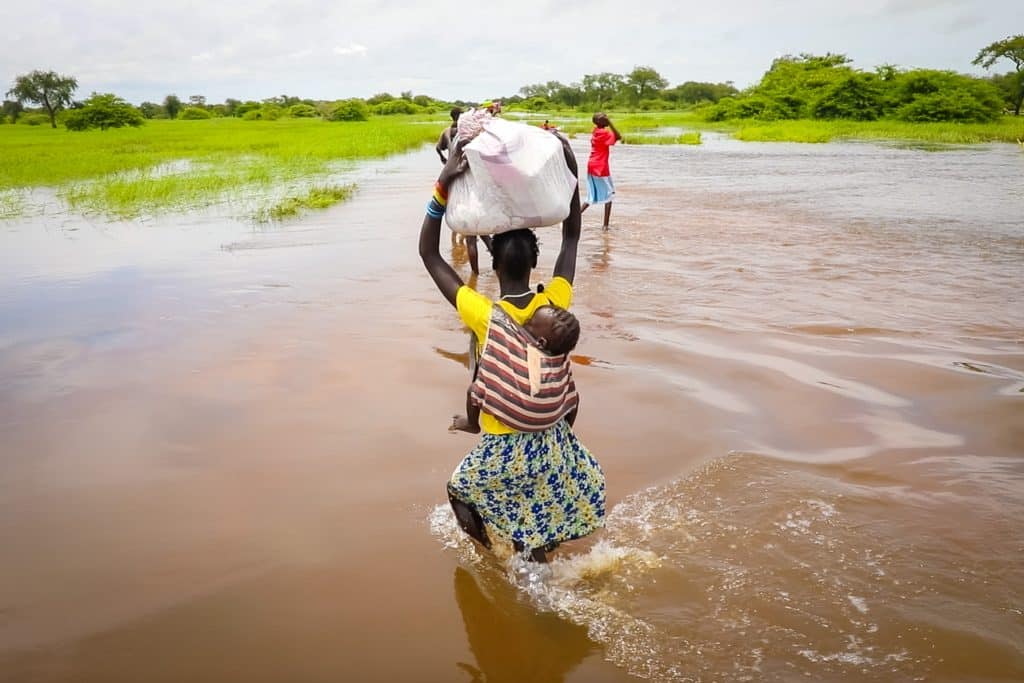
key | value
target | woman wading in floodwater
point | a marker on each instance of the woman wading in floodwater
(536, 489)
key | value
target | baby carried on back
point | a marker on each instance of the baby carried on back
(523, 376)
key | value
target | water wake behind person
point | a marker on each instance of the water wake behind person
(533, 489)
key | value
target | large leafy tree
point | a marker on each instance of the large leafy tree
(602, 88)
(48, 89)
(644, 81)
(172, 105)
(1011, 48)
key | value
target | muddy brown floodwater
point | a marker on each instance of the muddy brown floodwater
(802, 367)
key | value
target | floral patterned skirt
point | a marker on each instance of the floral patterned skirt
(536, 488)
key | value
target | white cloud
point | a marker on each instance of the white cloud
(145, 49)
(353, 49)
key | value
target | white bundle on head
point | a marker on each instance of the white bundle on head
(472, 122)
(517, 178)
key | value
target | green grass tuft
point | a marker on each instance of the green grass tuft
(319, 197)
(690, 138)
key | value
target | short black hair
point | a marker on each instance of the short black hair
(515, 252)
(566, 332)
(456, 112)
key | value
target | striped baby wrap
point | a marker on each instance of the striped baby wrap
(517, 382)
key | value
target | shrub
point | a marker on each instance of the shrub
(34, 119)
(349, 110)
(103, 111)
(271, 112)
(302, 111)
(753, 107)
(656, 105)
(931, 95)
(193, 114)
(396, 107)
(858, 96)
(946, 106)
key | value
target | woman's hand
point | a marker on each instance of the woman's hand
(456, 165)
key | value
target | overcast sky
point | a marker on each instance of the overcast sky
(143, 50)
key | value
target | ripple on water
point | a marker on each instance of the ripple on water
(752, 568)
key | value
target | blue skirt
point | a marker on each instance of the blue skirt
(600, 189)
(533, 487)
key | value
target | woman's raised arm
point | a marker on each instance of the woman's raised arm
(443, 275)
(565, 264)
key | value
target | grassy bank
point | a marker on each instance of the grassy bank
(185, 164)
(641, 127)
(1008, 129)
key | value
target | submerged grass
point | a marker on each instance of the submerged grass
(319, 197)
(183, 164)
(690, 138)
(12, 203)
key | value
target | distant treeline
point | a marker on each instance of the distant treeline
(827, 87)
(795, 87)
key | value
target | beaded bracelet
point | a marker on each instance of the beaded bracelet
(438, 202)
(435, 210)
(440, 194)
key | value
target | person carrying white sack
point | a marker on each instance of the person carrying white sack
(517, 177)
(535, 489)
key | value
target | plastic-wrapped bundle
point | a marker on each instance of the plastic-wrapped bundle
(471, 123)
(517, 178)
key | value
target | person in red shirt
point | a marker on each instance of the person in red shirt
(600, 189)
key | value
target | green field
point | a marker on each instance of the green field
(186, 164)
(279, 168)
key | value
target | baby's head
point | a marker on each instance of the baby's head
(556, 329)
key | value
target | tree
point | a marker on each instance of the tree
(643, 81)
(46, 88)
(602, 88)
(692, 92)
(1011, 48)
(150, 110)
(12, 110)
(103, 111)
(197, 101)
(172, 105)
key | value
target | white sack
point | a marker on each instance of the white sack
(517, 178)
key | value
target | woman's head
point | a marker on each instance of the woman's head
(515, 253)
